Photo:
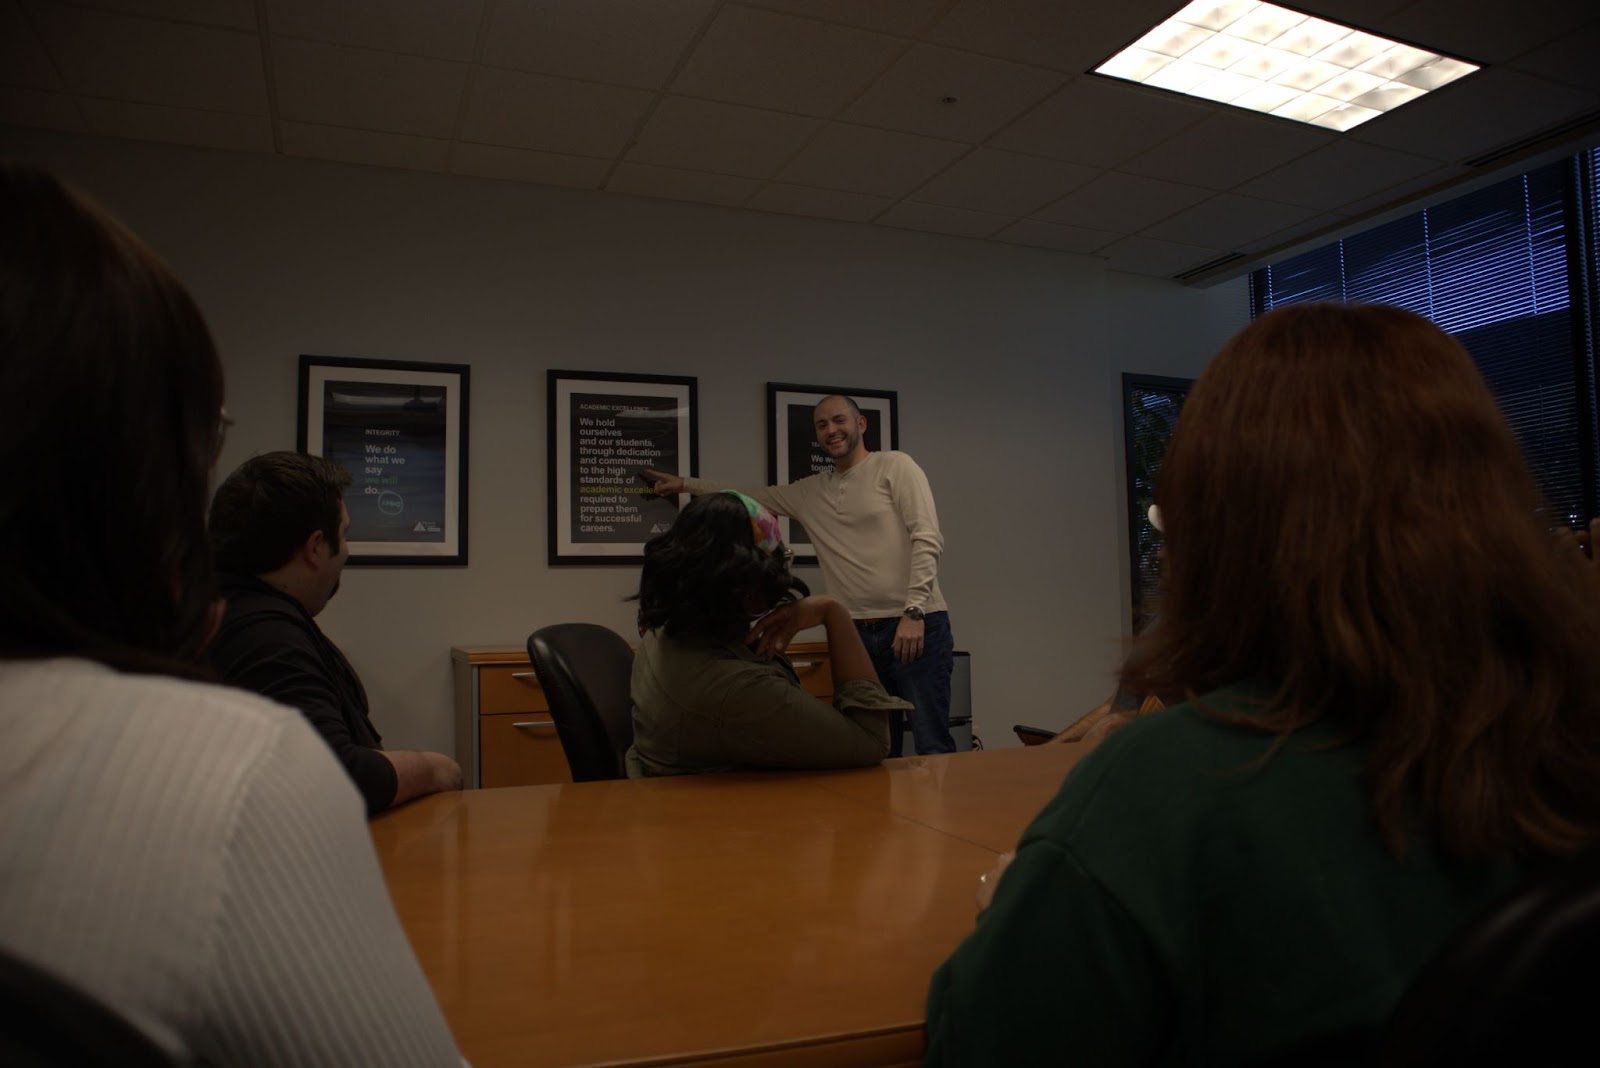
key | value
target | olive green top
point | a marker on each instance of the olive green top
(701, 707)
(1183, 902)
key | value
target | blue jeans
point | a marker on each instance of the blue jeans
(925, 682)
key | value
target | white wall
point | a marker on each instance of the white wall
(1005, 359)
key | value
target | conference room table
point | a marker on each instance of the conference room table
(779, 919)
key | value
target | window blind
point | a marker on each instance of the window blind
(1491, 268)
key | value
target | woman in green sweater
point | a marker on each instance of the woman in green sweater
(712, 690)
(1393, 716)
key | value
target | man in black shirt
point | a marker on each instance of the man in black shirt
(278, 531)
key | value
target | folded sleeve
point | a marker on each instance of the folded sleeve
(767, 720)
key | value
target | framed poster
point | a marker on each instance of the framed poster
(792, 449)
(400, 430)
(604, 430)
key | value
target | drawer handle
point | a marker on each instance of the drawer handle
(798, 664)
(525, 676)
(534, 723)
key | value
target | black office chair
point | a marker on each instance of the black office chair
(47, 1023)
(1517, 985)
(585, 670)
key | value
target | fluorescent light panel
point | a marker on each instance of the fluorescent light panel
(1267, 58)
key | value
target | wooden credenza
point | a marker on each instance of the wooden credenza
(504, 734)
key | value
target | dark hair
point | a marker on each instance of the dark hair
(1349, 518)
(112, 425)
(702, 576)
(267, 509)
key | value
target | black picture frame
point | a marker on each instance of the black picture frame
(400, 429)
(792, 449)
(633, 421)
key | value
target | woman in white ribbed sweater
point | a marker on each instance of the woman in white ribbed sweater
(190, 856)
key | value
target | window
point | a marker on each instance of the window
(1495, 269)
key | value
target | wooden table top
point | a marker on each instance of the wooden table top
(755, 919)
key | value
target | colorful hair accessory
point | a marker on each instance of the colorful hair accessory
(763, 524)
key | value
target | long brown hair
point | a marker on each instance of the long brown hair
(1350, 521)
(113, 395)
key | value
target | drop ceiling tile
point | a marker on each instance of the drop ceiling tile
(1398, 194)
(987, 94)
(940, 220)
(1226, 149)
(905, 18)
(818, 203)
(179, 126)
(523, 165)
(1003, 183)
(1478, 114)
(681, 185)
(237, 14)
(701, 135)
(40, 108)
(1049, 235)
(1100, 123)
(334, 85)
(1490, 31)
(443, 29)
(364, 146)
(1071, 37)
(1301, 232)
(1337, 174)
(23, 60)
(1227, 222)
(776, 61)
(624, 42)
(181, 65)
(552, 114)
(863, 160)
(1570, 59)
(1162, 259)
(1125, 203)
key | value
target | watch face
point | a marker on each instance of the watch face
(914, 614)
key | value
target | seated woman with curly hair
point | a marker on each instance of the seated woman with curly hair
(711, 691)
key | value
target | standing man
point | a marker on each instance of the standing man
(873, 522)
(279, 538)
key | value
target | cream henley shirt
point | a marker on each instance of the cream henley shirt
(875, 529)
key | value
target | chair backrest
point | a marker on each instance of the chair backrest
(585, 671)
(1516, 985)
(45, 1021)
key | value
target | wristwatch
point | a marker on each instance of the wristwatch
(913, 614)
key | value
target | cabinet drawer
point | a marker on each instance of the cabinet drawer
(501, 690)
(520, 749)
(816, 673)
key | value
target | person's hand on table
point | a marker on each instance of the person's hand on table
(666, 485)
(908, 639)
(446, 772)
(771, 634)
